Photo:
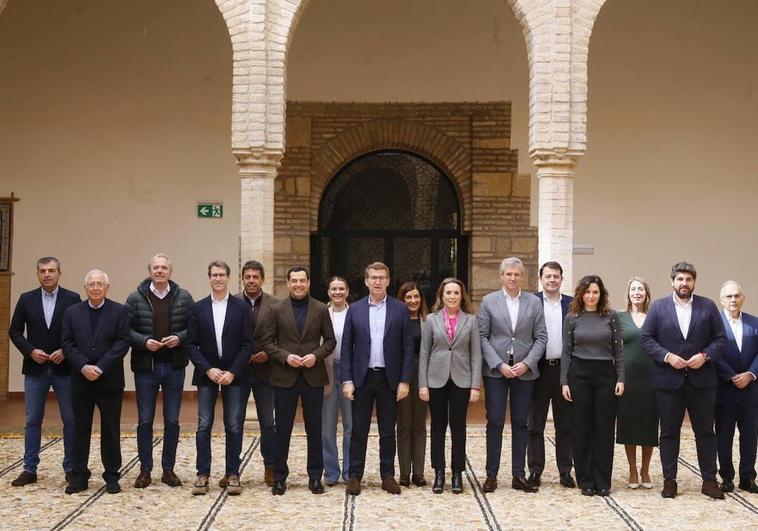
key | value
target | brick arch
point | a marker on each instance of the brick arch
(452, 157)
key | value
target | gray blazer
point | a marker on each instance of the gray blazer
(440, 360)
(528, 340)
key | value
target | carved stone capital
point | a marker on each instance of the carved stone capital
(555, 161)
(258, 162)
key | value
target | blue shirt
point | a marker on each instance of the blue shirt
(377, 315)
(48, 304)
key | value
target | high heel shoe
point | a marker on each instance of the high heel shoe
(439, 481)
(457, 483)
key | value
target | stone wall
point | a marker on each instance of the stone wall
(470, 142)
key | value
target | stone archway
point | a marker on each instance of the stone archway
(469, 142)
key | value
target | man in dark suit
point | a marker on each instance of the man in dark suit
(40, 313)
(547, 388)
(377, 366)
(512, 327)
(685, 336)
(299, 336)
(96, 337)
(737, 395)
(253, 277)
(220, 343)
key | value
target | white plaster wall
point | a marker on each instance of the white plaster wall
(115, 121)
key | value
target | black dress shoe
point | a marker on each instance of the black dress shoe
(112, 487)
(457, 483)
(520, 483)
(588, 492)
(535, 479)
(603, 492)
(279, 488)
(439, 481)
(315, 486)
(567, 481)
(749, 486)
(419, 480)
(76, 486)
(727, 485)
(405, 481)
(490, 484)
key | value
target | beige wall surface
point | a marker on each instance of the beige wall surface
(115, 120)
(670, 172)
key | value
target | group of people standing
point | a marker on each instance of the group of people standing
(604, 372)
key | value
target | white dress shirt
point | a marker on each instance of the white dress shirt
(683, 314)
(219, 316)
(513, 305)
(736, 326)
(554, 323)
(160, 294)
(377, 316)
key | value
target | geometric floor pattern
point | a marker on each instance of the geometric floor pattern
(44, 505)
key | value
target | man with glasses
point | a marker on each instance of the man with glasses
(377, 366)
(45, 365)
(95, 341)
(737, 395)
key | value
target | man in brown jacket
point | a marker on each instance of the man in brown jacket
(298, 337)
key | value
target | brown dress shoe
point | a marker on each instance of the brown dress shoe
(24, 478)
(390, 485)
(490, 484)
(520, 483)
(268, 476)
(170, 478)
(353, 487)
(143, 480)
(405, 481)
(224, 481)
(419, 480)
(669, 488)
(711, 489)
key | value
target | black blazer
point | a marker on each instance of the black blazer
(104, 347)
(236, 341)
(30, 316)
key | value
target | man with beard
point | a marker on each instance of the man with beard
(685, 335)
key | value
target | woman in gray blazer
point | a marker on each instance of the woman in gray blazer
(450, 369)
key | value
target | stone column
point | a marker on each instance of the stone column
(555, 175)
(257, 172)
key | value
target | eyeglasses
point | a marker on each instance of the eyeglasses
(735, 296)
(93, 285)
(374, 278)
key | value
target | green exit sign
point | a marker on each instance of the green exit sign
(210, 210)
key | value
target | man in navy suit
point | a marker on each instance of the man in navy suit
(737, 396)
(40, 312)
(377, 366)
(547, 388)
(96, 337)
(685, 336)
(220, 343)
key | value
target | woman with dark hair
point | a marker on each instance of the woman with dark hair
(411, 411)
(637, 422)
(592, 376)
(334, 400)
(450, 372)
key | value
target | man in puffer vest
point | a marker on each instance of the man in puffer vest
(160, 310)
